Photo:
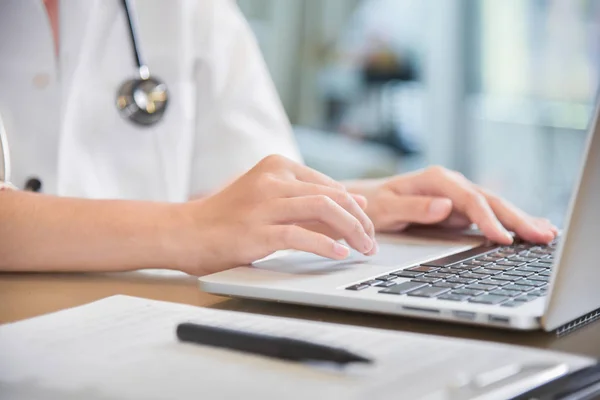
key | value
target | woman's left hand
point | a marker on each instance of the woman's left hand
(437, 196)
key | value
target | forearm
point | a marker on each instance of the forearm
(46, 233)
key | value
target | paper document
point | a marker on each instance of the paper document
(126, 348)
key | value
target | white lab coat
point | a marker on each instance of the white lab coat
(63, 126)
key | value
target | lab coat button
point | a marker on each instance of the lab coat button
(33, 184)
(41, 81)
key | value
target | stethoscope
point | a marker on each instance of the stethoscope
(142, 100)
(4, 155)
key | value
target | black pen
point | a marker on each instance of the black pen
(265, 345)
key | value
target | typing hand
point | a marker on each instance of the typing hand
(437, 196)
(268, 209)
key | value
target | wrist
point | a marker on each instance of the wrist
(179, 239)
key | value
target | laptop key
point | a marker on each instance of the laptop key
(424, 279)
(387, 284)
(430, 291)
(519, 288)
(537, 292)
(540, 252)
(507, 293)
(466, 267)
(512, 304)
(389, 277)
(515, 272)
(477, 263)
(467, 292)
(494, 282)
(452, 271)
(453, 297)
(371, 282)
(505, 253)
(403, 288)
(464, 281)
(472, 275)
(526, 282)
(522, 259)
(546, 273)
(488, 299)
(500, 267)
(526, 298)
(419, 268)
(510, 278)
(490, 258)
(479, 286)
(448, 285)
(487, 271)
(438, 275)
(544, 279)
(405, 274)
(546, 261)
(360, 286)
(527, 268)
(538, 265)
(509, 263)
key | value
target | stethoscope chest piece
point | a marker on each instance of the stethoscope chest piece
(143, 101)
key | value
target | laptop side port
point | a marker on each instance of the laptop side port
(499, 319)
(420, 309)
(464, 314)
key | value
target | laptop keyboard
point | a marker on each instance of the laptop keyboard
(509, 276)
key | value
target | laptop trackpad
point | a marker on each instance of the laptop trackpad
(394, 251)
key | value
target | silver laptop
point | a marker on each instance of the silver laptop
(448, 277)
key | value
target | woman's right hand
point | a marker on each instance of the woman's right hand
(268, 209)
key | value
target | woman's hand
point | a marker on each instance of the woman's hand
(437, 196)
(269, 209)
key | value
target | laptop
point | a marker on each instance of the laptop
(448, 276)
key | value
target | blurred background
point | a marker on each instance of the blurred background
(502, 91)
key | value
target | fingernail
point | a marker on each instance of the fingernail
(340, 250)
(438, 206)
(374, 250)
(375, 246)
(544, 231)
(505, 233)
(359, 197)
(368, 243)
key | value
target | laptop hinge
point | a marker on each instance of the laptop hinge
(578, 323)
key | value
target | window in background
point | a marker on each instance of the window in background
(500, 89)
(537, 64)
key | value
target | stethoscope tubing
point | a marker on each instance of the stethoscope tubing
(4, 154)
(135, 41)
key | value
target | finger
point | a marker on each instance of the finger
(543, 223)
(309, 175)
(322, 209)
(342, 197)
(400, 209)
(284, 237)
(516, 220)
(360, 200)
(289, 168)
(456, 220)
(467, 200)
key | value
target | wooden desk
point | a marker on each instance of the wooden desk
(28, 295)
